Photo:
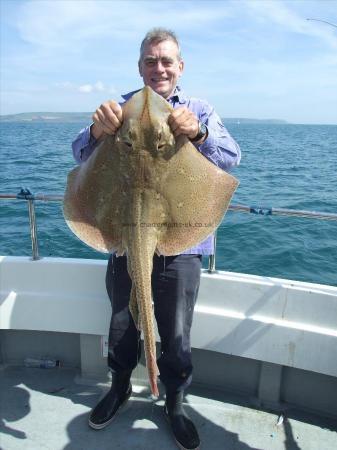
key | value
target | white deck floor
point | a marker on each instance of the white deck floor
(47, 409)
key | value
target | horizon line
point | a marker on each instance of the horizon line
(223, 118)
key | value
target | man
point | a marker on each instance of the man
(175, 279)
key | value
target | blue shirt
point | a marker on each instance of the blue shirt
(219, 147)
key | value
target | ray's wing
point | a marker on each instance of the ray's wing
(93, 200)
(197, 194)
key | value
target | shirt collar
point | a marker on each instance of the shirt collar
(178, 95)
(127, 96)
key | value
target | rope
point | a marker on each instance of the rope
(25, 194)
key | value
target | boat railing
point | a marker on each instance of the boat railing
(27, 195)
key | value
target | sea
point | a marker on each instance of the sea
(283, 166)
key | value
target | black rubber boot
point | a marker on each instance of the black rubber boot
(183, 429)
(119, 394)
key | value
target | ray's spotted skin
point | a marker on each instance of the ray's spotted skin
(142, 192)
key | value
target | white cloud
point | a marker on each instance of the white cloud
(99, 86)
(86, 88)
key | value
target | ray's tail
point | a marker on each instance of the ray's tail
(140, 266)
(140, 263)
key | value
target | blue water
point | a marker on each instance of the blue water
(284, 166)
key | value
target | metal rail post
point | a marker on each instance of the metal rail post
(211, 259)
(25, 194)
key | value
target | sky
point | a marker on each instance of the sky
(249, 58)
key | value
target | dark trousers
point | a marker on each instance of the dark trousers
(175, 285)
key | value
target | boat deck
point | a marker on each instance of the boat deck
(48, 409)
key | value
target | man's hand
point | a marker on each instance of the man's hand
(183, 121)
(107, 119)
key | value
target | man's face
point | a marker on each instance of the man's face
(160, 67)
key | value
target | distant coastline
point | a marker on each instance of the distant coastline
(47, 117)
(245, 120)
(87, 117)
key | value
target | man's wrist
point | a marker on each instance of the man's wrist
(201, 135)
(96, 131)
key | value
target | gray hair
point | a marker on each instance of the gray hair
(157, 35)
